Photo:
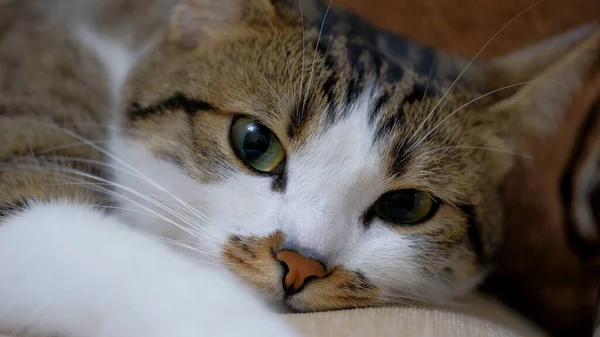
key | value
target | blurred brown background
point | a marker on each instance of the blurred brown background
(440, 23)
(542, 271)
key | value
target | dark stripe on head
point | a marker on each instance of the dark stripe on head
(400, 159)
(378, 107)
(396, 47)
(176, 102)
(355, 53)
(473, 231)
(394, 73)
(359, 29)
(299, 117)
(323, 49)
(11, 208)
(352, 92)
(328, 87)
(353, 88)
(425, 61)
(318, 14)
(388, 123)
(377, 59)
(418, 94)
(331, 81)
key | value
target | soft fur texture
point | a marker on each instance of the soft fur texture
(547, 267)
(84, 216)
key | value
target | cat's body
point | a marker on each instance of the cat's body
(126, 206)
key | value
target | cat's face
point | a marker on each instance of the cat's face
(264, 141)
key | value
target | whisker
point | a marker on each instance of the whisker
(303, 45)
(71, 145)
(110, 155)
(136, 193)
(423, 99)
(117, 168)
(473, 60)
(138, 174)
(283, 49)
(476, 148)
(96, 187)
(196, 250)
(164, 239)
(99, 188)
(312, 71)
(97, 142)
(395, 302)
(414, 146)
(83, 184)
(120, 208)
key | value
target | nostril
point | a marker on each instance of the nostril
(285, 269)
(298, 270)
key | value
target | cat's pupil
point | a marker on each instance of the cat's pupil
(256, 141)
(256, 145)
(400, 204)
(405, 207)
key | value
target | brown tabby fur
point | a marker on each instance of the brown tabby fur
(227, 69)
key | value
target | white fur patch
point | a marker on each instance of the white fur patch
(331, 182)
(115, 57)
(201, 214)
(68, 270)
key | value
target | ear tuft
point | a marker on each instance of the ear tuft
(550, 73)
(535, 59)
(194, 21)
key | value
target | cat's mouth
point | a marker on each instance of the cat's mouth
(293, 281)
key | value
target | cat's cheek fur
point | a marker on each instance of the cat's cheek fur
(69, 270)
(206, 213)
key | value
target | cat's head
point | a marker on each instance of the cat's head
(323, 187)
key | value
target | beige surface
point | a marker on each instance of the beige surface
(477, 317)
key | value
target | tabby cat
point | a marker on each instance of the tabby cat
(190, 174)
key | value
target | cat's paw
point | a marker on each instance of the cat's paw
(216, 305)
(69, 270)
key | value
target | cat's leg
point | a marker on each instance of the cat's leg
(68, 270)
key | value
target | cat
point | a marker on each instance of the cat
(197, 169)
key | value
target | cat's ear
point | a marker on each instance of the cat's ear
(196, 21)
(541, 79)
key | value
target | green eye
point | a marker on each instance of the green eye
(256, 145)
(406, 207)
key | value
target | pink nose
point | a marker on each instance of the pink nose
(299, 268)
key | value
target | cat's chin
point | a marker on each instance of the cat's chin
(288, 306)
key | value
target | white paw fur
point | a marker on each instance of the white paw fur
(71, 271)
